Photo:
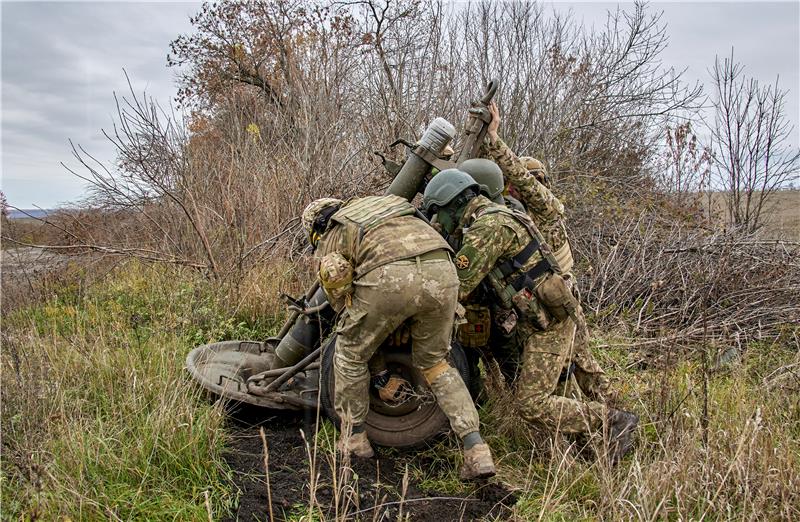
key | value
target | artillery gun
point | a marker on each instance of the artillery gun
(294, 369)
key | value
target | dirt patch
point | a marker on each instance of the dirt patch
(379, 480)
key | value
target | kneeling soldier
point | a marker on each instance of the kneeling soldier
(504, 249)
(384, 265)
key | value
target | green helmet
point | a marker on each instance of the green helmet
(445, 186)
(488, 175)
(314, 211)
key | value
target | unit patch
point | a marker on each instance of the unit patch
(462, 262)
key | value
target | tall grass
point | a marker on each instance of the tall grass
(100, 420)
(736, 458)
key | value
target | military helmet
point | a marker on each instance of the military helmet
(531, 163)
(488, 175)
(316, 210)
(537, 168)
(445, 186)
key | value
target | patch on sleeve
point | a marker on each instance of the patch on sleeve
(462, 262)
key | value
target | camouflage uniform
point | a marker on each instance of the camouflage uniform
(402, 271)
(492, 235)
(547, 212)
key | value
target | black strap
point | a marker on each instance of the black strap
(518, 261)
(527, 279)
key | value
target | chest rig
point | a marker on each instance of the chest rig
(367, 213)
(507, 279)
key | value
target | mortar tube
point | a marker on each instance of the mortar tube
(287, 324)
(301, 337)
(409, 180)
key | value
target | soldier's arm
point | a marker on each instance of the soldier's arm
(537, 198)
(483, 244)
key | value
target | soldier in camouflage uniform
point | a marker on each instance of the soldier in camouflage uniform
(529, 177)
(397, 268)
(504, 252)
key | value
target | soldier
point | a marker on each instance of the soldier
(502, 346)
(505, 252)
(384, 265)
(529, 177)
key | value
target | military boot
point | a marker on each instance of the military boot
(356, 444)
(622, 429)
(478, 463)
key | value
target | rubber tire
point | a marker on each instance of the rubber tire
(411, 430)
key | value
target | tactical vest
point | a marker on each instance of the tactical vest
(382, 229)
(564, 258)
(508, 278)
(563, 255)
(536, 290)
(369, 212)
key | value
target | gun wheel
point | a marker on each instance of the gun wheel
(408, 423)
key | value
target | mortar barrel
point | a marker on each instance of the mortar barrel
(409, 180)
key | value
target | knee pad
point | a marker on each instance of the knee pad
(435, 371)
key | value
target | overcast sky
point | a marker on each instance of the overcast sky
(61, 62)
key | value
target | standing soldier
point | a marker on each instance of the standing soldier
(529, 177)
(504, 251)
(384, 265)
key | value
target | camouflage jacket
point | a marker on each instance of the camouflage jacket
(381, 241)
(543, 207)
(488, 238)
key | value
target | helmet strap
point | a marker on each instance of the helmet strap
(321, 224)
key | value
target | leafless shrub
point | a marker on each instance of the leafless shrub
(686, 170)
(686, 285)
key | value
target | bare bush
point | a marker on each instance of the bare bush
(687, 165)
(673, 282)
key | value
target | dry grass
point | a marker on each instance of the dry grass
(100, 420)
(729, 453)
(96, 421)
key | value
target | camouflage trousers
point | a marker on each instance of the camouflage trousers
(424, 291)
(591, 378)
(542, 399)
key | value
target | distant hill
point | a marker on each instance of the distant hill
(29, 213)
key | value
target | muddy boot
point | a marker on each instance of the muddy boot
(395, 390)
(477, 463)
(622, 429)
(357, 444)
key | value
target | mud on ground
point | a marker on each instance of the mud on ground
(380, 480)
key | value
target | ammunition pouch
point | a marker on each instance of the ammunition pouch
(474, 333)
(530, 308)
(336, 278)
(519, 293)
(555, 294)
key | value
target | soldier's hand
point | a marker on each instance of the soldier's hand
(400, 336)
(494, 125)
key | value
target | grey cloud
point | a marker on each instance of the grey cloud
(62, 61)
(61, 64)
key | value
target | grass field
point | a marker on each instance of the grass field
(100, 421)
(781, 214)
